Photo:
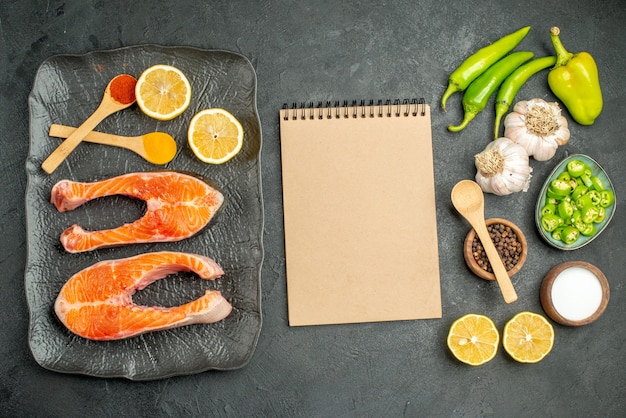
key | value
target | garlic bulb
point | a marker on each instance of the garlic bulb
(538, 126)
(503, 168)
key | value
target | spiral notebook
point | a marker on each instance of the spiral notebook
(359, 212)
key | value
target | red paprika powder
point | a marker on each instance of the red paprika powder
(123, 88)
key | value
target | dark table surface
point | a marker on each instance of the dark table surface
(327, 50)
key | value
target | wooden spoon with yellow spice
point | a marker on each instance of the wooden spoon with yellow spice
(155, 147)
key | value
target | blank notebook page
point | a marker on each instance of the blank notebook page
(359, 215)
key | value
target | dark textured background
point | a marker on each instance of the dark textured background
(325, 51)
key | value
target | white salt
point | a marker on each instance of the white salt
(576, 293)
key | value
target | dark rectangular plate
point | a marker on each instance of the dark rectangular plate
(66, 90)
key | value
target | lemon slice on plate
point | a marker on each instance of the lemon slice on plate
(215, 136)
(528, 337)
(473, 339)
(163, 92)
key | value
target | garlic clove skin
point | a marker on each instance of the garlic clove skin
(503, 168)
(538, 126)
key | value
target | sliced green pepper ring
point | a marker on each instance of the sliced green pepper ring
(565, 209)
(569, 235)
(565, 176)
(549, 208)
(550, 222)
(579, 191)
(576, 168)
(592, 197)
(607, 198)
(589, 214)
(588, 230)
(557, 234)
(601, 215)
(586, 178)
(560, 187)
(596, 183)
(552, 201)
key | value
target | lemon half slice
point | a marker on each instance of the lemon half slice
(215, 136)
(473, 339)
(528, 337)
(163, 92)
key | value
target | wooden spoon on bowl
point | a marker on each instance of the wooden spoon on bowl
(468, 199)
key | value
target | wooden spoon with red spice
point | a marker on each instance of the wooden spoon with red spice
(119, 94)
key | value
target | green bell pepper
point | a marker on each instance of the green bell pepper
(574, 80)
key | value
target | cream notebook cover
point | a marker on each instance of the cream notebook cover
(359, 213)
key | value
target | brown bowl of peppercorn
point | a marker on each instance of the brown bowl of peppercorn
(508, 240)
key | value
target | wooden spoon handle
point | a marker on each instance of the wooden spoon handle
(107, 107)
(66, 147)
(128, 142)
(502, 276)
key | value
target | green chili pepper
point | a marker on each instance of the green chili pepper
(569, 235)
(574, 80)
(478, 93)
(576, 168)
(477, 63)
(607, 198)
(550, 222)
(511, 85)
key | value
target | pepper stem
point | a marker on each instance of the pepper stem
(562, 54)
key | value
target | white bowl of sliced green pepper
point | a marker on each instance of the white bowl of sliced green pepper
(576, 203)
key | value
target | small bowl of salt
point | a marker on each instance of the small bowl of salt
(574, 293)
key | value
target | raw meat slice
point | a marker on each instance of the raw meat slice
(178, 206)
(96, 303)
